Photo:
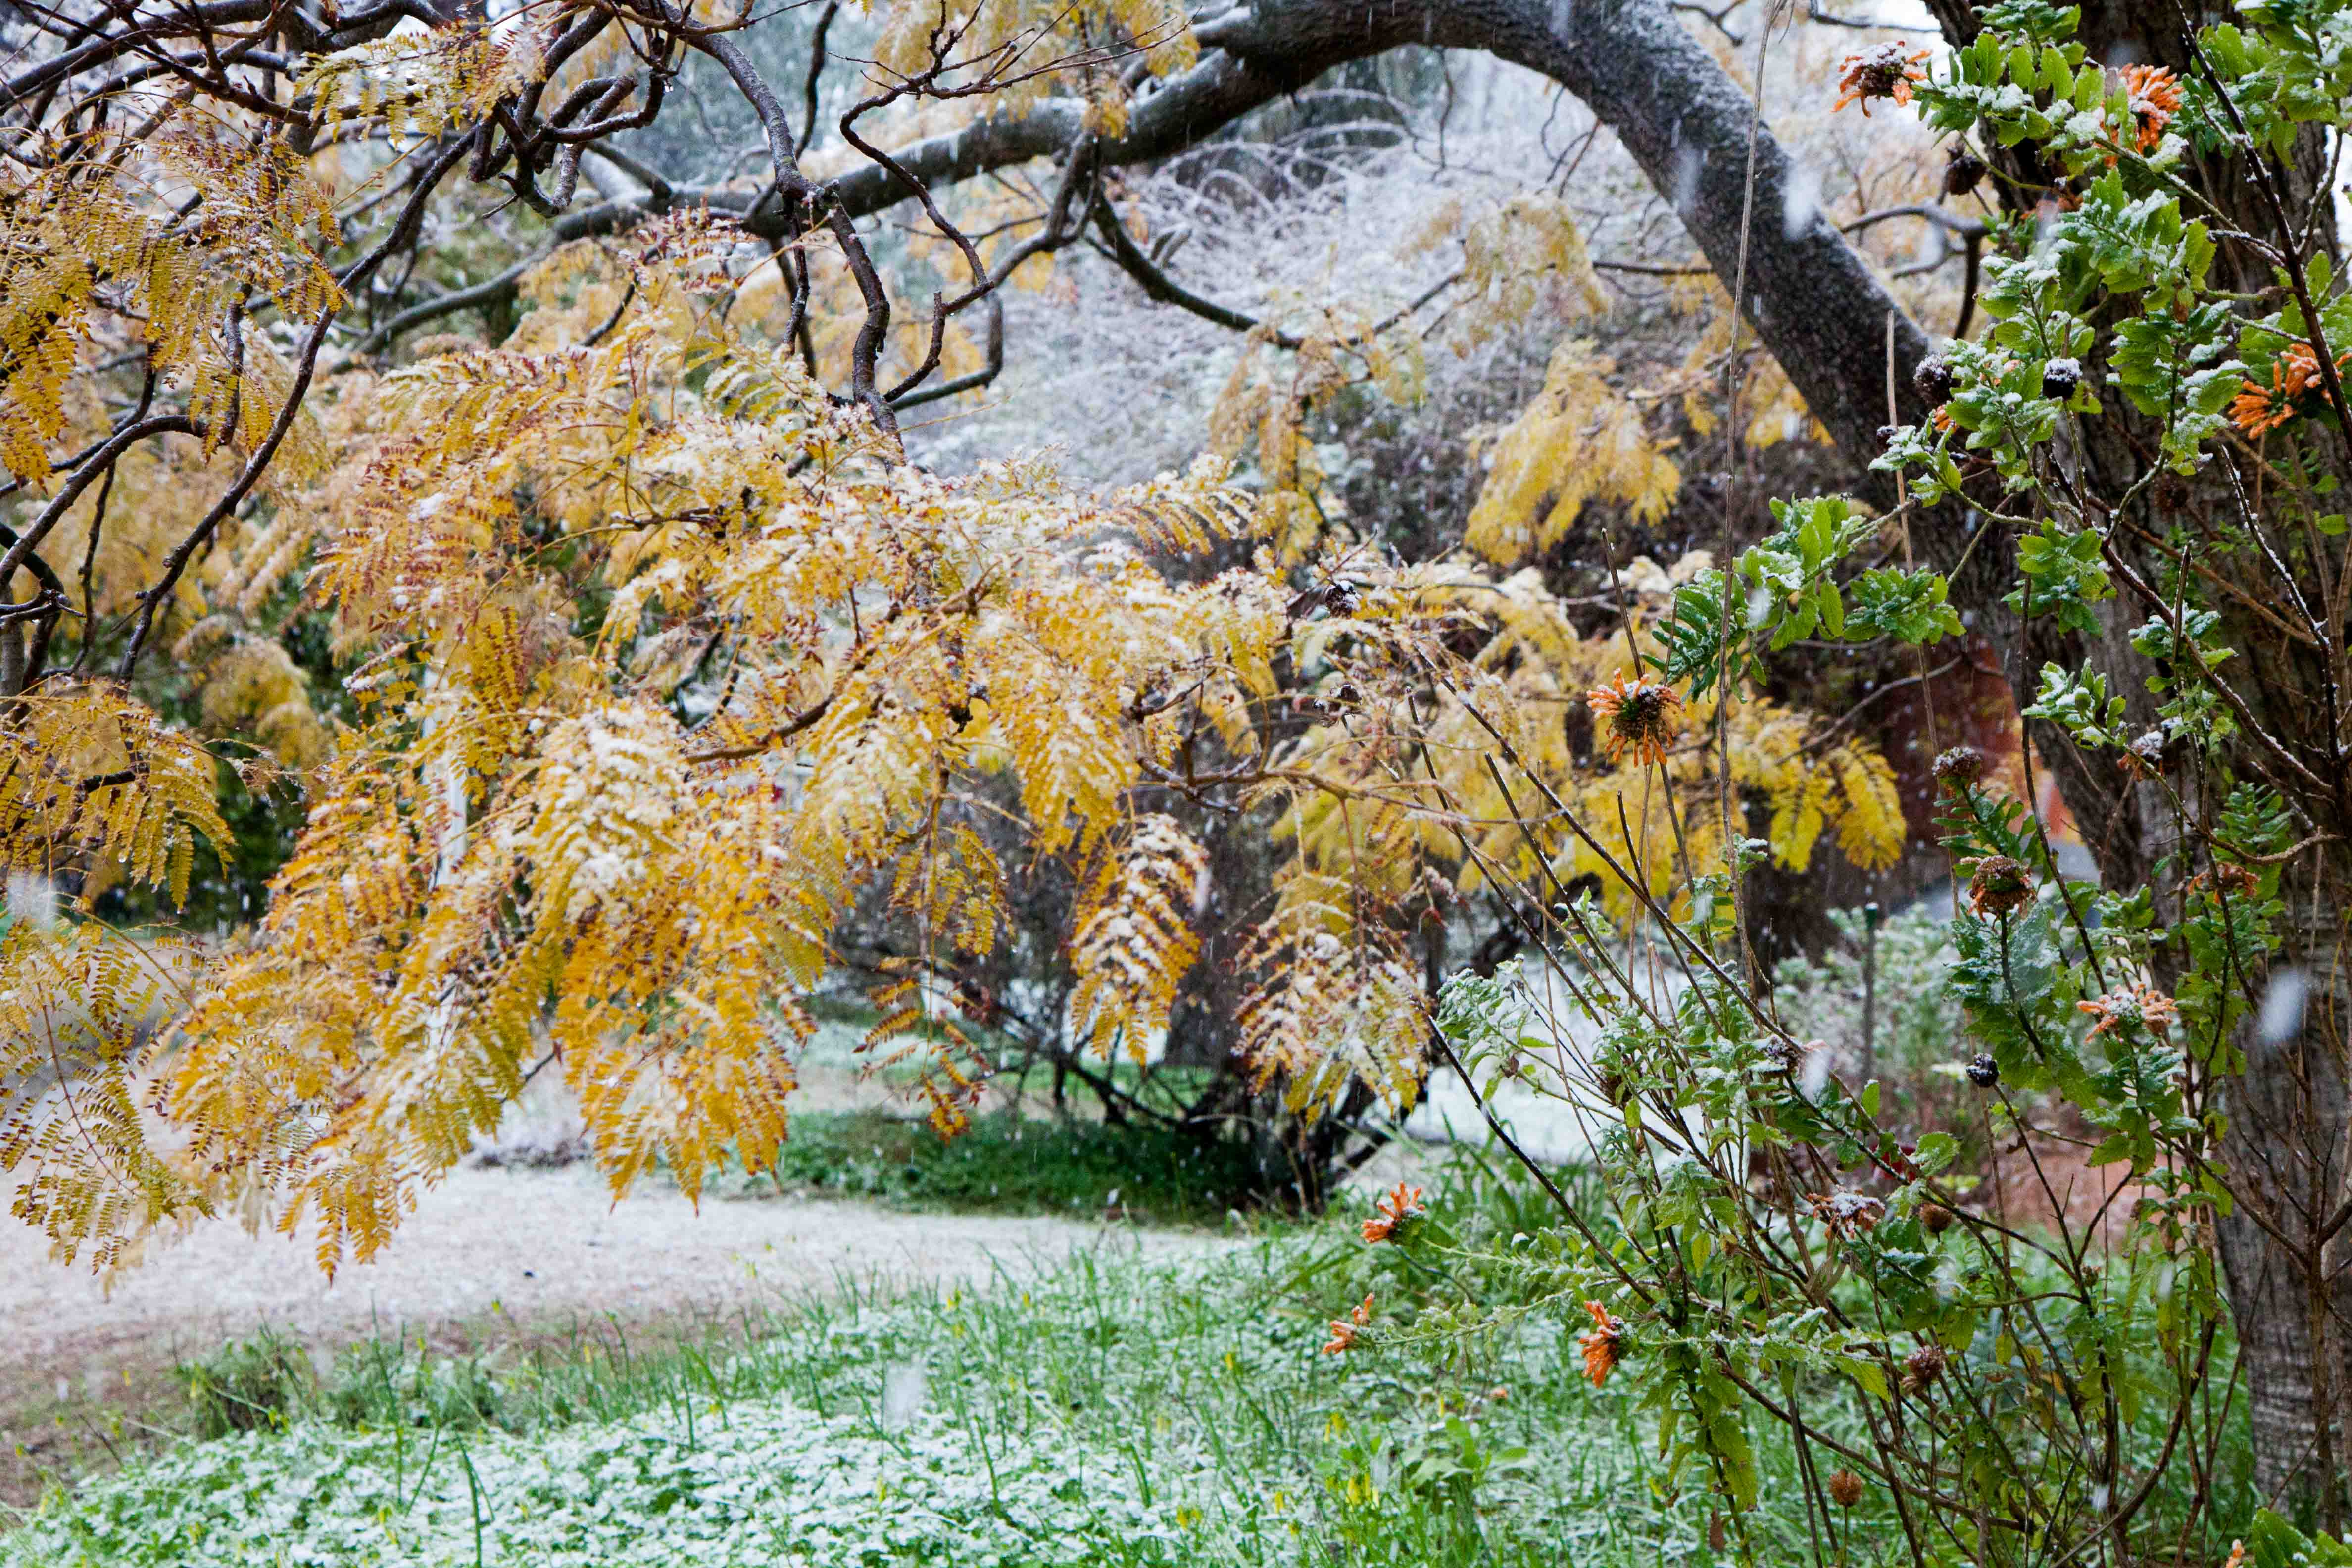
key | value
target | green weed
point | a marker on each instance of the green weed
(246, 1385)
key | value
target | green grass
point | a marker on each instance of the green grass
(1009, 1164)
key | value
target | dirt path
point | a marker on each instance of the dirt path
(492, 1254)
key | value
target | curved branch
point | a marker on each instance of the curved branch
(489, 291)
(1813, 300)
(1158, 286)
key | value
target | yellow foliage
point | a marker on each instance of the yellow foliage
(555, 829)
(79, 1006)
(1335, 1005)
(1579, 440)
(76, 250)
(1095, 43)
(421, 81)
(672, 666)
(1768, 402)
(1523, 257)
(86, 772)
(1131, 940)
(1395, 793)
(1263, 410)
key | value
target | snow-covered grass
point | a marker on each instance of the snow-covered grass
(764, 1481)
(1120, 1412)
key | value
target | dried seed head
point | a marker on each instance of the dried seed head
(2002, 886)
(2170, 493)
(1937, 1218)
(1848, 1212)
(1845, 1487)
(2227, 878)
(1885, 71)
(2143, 758)
(2060, 377)
(2143, 1004)
(1933, 377)
(1341, 597)
(1961, 767)
(1922, 1367)
(1983, 1071)
(1962, 170)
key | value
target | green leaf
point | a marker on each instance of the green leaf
(1832, 608)
(1911, 606)
(2064, 574)
(2275, 1543)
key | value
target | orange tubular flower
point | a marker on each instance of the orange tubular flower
(2257, 411)
(1883, 72)
(2155, 99)
(1397, 1206)
(1345, 1335)
(1642, 717)
(2294, 376)
(2152, 1007)
(1602, 1343)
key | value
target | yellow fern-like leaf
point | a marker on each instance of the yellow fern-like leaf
(80, 1007)
(1132, 939)
(1578, 441)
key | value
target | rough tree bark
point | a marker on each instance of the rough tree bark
(2280, 1243)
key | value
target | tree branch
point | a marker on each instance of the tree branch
(1813, 299)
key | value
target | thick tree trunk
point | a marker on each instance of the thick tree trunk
(2283, 1262)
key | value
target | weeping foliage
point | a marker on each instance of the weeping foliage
(77, 1013)
(662, 661)
(1133, 937)
(87, 772)
(1407, 791)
